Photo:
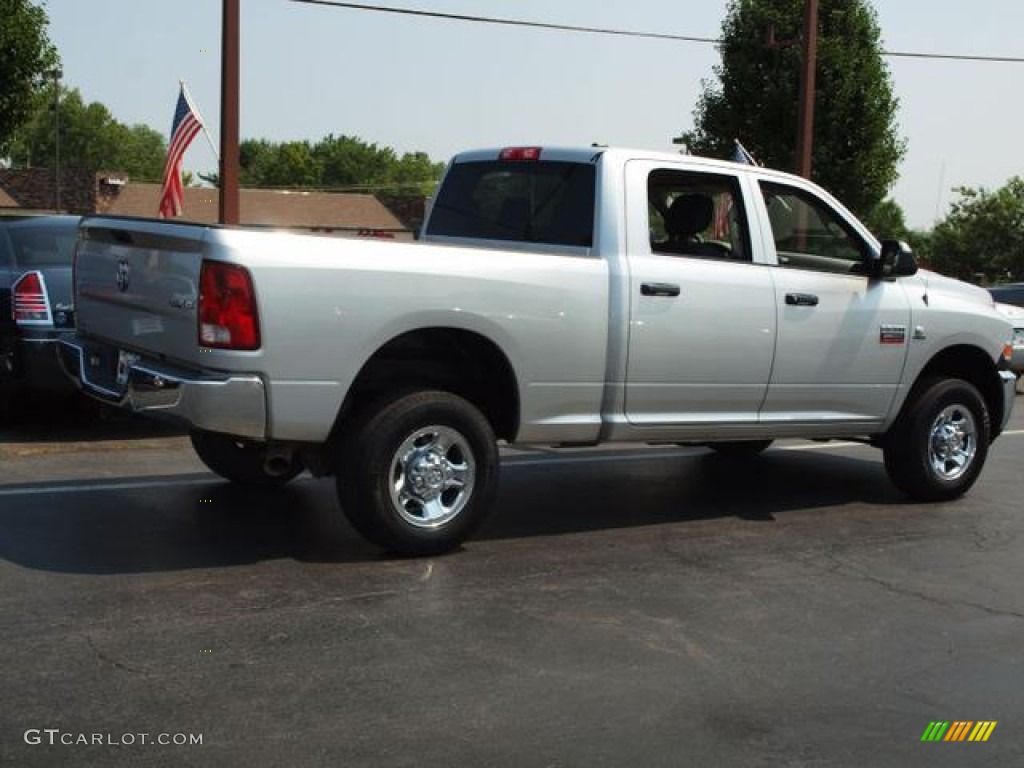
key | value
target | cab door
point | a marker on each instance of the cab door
(702, 313)
(842, 336)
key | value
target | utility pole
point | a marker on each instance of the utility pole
(805, 129)
(229, 111)
(57, 75)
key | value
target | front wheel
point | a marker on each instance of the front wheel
(418, 474)
(938, 446)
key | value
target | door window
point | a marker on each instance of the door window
(696, 214)
(810, 235)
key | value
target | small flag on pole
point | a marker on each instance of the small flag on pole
(740, 155)
(187, 124)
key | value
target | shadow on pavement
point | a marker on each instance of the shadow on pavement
(141, 525)
(43, 417)
(199, 521)
(566, 498)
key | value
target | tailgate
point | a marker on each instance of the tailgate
(137, 285)
(58, 289)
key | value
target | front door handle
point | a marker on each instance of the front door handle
(801, 300)
(659, 289)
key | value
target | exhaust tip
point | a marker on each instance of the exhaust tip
(276, 466)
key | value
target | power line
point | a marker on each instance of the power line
(512, 22)
(955, 57)
(621, 32)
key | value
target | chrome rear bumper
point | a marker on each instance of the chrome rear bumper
(235, 404)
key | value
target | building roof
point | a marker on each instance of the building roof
(6, 201)
(268, 207)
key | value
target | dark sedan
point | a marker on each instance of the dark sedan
(35, 292)
(1008, 293)
(8, 338)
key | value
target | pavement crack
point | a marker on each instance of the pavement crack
(846, 569)
(978, 537)
(111, 661)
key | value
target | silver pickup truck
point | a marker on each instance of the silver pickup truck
(558, 296)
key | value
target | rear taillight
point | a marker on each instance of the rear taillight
(227, 307)
(31, 305)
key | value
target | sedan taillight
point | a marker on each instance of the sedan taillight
(31, 304)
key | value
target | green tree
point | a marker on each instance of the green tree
(143, 153)
(90, 139)
(26, 58)
(350, 162)
(250, 154)
(416, 173)
(334, 162)
(983, 234)
(755, 99)
(887, 221)
(920, 242)
(290, 164)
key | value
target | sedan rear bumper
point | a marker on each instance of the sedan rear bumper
(234, 404)
(36, 362)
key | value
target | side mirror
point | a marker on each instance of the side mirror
(895, 260)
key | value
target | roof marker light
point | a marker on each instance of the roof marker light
(520, 154)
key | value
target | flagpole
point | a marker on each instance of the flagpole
(202, 121)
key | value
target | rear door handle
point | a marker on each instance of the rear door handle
(659, 289)
(801, 300)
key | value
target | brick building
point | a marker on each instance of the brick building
(81, 193)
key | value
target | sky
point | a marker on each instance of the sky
(441, 86)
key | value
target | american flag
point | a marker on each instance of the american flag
(723, 211)
(185, 127)
(741, 155)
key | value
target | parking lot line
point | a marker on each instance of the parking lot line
(126, 485)
(512, 461)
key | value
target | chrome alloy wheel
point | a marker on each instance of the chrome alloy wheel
(953, 442)
(432, 476)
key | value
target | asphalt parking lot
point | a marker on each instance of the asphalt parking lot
(645, 607)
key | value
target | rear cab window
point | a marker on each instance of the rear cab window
(525, 195)
(49, 244)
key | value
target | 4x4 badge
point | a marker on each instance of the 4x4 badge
(892, 334)
(122, 276)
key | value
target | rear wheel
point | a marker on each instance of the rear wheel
(244, 462)
(938, 446)
(418, 474)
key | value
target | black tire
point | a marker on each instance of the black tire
(937, 447)
(741, 449)
(241, 461)
(431, 440)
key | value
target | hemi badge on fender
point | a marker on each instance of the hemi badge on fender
(892, 334)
